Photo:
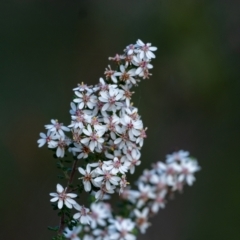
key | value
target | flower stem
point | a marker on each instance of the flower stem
(62, 223)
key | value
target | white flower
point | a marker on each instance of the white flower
(119, 163)
(83, 87)
(83, 215)
(134, 160)
(160, 182)
(94, 139)
(188, 169)
(84, 150)
(142, 219)
(46, 138)
(142, 65)
(123, 141)
(126, 76)
(141, 137)
(101, 193)
(133, 126)
(146, 193)
(99, 214)
(172, 170)
(107, 178)
(87, 178)
(145, 50)
(130, 49)
(61, 145)
(85, 100)
(63, 198)
(123, 230)
(73, 234)
(79, 120)
(111, 99)
(112, 124)
(57, 127)
(159, 201)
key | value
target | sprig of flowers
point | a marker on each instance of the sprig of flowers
(154, 187)
(106, 136)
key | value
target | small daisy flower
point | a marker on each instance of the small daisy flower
(99, 214)
(94, 138)
(63, 198)
(188, 169)
(83, 214)
(126, 76)
(46, 138)
(145, 50)
(57, 127)
(87, 178)
(142, 219)
(123, 230)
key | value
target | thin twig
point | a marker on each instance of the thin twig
(62, 223)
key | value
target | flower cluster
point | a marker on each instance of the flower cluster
(154, 187)
(104, 121)
(106, 136)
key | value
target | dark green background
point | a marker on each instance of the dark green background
(191, 102)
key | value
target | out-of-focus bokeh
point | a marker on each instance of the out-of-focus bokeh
(191, 102)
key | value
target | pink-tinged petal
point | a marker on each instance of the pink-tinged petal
(71, 201)
(140, 42)
(88, 168)
(84, 220)
(89, 129)
(60, 204)
(108, 185)
(92, 145)
(153, 48)
(59, 152)
(53, 194)
(81, 105)
(76, 215)
(42, 135)
(117, 141)
(60, 188)
(68, 204)
(41, 142)
(87, 186)
(65, 128)
(82, 171)
(86, 132)
(54, 199)
(105, 106)
(138, 71)
(103, 99)
(78, 94)
(122, 68)
(77, 206)
(72, 195)
(101, 140)
(85, 140)
(77, 100)
(98, 179)
(150, 54)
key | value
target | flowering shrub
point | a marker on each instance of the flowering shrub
(106, 136)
